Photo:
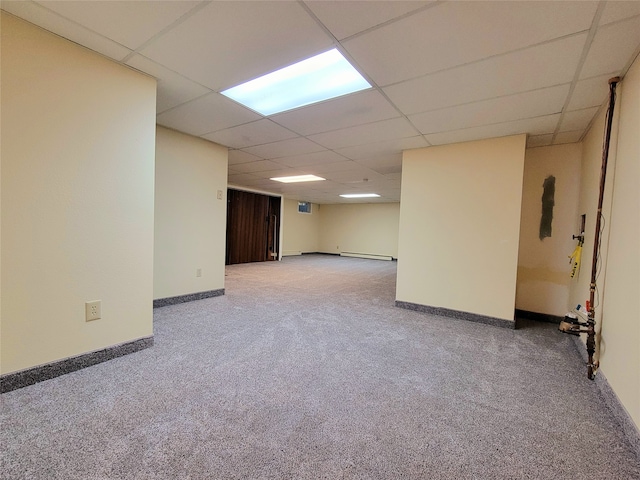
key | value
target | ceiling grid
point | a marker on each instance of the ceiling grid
(441, 72)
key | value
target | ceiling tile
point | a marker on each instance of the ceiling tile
(383, 184)
(279, 171)
(619, 10)
(250, 134)
(173, 89)
(228, 43)
(532, 126)
(386, 147)
(322, 169)
(519, 59)
(578, 119)
(317, 187)
(291, 147)
(612, 48)
(238, 156)
(568, 137)
(384, 188)
(357, 176)
(387, 170)
(53, 22)
(590, 92)
(362, 134)
(431, 40)
(344, 19)
(254, 167)
(266, 185)
(542, 66)
(498, 110)
(364, 107)
(383, 163)
(241, 178)
(534, 141)
(130, 23)
(325, 156)
(206, 114)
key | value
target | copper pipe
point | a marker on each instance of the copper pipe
(591, 320)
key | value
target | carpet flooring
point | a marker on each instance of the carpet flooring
(305, 369)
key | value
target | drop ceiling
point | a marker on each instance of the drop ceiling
(442, 72)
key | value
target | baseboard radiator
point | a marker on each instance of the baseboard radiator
(366, 255)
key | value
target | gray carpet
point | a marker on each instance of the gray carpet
(305, 369)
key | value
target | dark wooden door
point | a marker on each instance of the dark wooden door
(250, 227)
(273, 229)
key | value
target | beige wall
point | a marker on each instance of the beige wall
(190, 221)
(369, 228)
(364, 228)
(459, 226)
(543, 265)
(620, 335)
(77, 198)
(618, 311)
(300, 231)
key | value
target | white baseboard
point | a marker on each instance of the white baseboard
(366, 255)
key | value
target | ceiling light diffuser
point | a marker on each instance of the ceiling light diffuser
(327, 75)
(360, 195)
(298, 178)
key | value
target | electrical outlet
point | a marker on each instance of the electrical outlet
(219, 194)
(199, 272)
(93, 310)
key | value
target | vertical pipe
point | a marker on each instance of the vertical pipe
(591, 327)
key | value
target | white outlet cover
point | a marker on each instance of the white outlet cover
(93, 310)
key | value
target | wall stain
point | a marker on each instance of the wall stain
(548, 201)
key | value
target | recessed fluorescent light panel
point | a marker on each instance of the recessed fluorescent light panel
(315, 79)
(360, 195)
(298, 178)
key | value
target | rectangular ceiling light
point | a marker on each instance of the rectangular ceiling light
(298, 178)
(360, 195)
(327, 75)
